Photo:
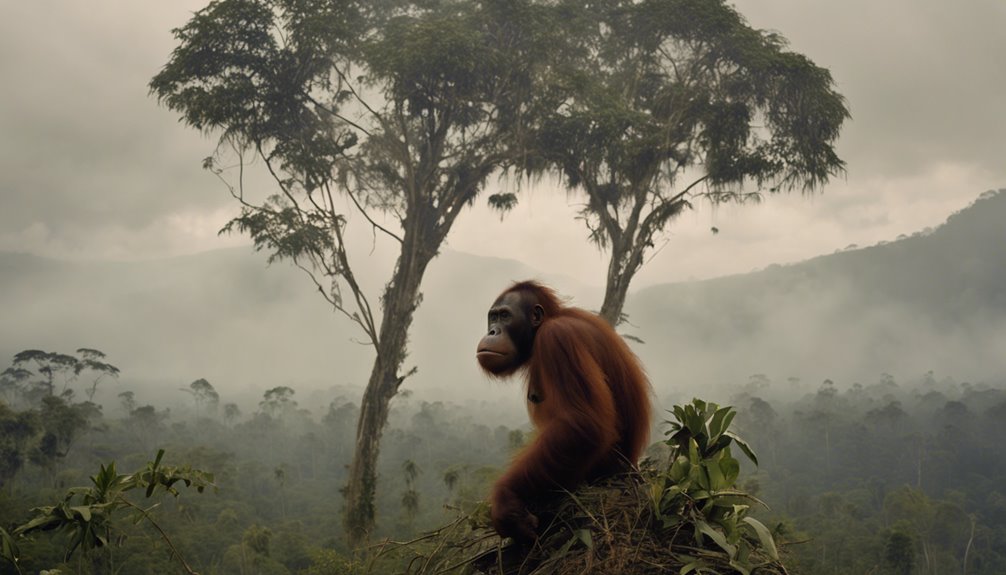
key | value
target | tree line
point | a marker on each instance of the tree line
(887, 477)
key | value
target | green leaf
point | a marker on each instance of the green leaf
(698, 475)
(564, 550)
(716, 424)
(680, 469)
(46, 521)
(657, 491)
(669, 521)
(740, 567)
(744, 447)
(764, 536)
(8, 547)
(585, 536)
(730, 469)
(84, 512)
(717, 537)
(716, 479)
(728, 419)
(730, 498)
(688, 568)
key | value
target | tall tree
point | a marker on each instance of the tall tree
(674, 100)
(404, 108)
(204, 395)
(92, 361)
(35, 373)
(278, 401)
(45, 369)
(17, 428)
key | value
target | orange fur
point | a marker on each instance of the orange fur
(592, 411)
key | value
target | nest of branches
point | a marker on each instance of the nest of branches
(607, 527)
(682, 514)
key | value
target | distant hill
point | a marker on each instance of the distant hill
(936, 300)
(932, 301)
(227, 316)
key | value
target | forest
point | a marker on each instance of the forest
(886, 476)
(324, 415)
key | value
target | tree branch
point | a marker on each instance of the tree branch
(356, 203)
(344, 80)
(164, 536)
(335, 114)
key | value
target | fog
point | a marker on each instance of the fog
(94, 169)
(860, 331)
(930, 302)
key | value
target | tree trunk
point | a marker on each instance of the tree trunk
(362, 485)
(400, 302)
(623, 265)
(615, 291)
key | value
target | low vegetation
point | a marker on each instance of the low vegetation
(889, 477)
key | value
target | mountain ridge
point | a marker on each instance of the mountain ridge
(937, 297)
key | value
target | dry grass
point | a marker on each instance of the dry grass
(609, 528)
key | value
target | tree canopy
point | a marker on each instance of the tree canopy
(671, 100)
(404, 108)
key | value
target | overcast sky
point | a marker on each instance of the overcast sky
(92, 168)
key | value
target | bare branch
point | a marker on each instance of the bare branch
(344, 80)
(335, 305)
(376, 225)
(335, 114)
(164, 536)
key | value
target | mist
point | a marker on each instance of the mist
(930, 302)
(859, 330)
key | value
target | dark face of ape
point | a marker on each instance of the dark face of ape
(513, 320)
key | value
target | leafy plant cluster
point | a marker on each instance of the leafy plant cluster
(698, 492)
(681, 514)
(89, 516)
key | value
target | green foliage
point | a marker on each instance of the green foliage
(899, 553)
(257, 539)
(403, 108)
(698, 492)
(410, 497)
(685, 516)
(836, 484)
(35, 374)
(9, 550)
(328, 562)
(17, 429)
(88, 515)
(668, 101)
(203, 392)
(278, 400)
(62, 423)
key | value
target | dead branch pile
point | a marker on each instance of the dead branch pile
(606, 528)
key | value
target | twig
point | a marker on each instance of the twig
(174, 550)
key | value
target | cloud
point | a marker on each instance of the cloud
(165, 235)
(82, 145)
(924, 78)
(93, 167)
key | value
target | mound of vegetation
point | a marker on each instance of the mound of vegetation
(680, 512)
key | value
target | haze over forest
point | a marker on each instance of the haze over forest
(932, 301)
(855, 319)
